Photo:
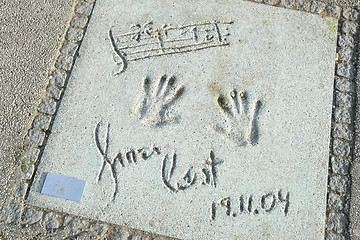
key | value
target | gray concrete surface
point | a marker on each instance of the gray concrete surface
(292, 138)
(30, 35)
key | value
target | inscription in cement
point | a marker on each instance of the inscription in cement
(145, 41)
(198, 120)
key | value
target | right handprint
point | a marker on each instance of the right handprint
(240, 125)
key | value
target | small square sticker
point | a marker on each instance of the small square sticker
(63, 187)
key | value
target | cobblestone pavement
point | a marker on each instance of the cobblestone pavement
(355, 170)
(31, 36)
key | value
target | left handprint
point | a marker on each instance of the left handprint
(155, 103)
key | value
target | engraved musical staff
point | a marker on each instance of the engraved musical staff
(146, 41)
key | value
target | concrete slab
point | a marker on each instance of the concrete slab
(212, 125)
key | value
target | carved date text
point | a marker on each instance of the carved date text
(250, 204)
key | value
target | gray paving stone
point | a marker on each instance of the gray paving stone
(58, 78)
(317, 7)
(343, 100)
(343, 115)
(117, 233)
(350, 14)
(36, 137)
(59, 233)
(84, 236)
(346, 40)
(30, 231)
(334, 236)
(51, 221)
(354, 203)
(345, 54)
(66, 220)
(336, 202)
(303, 5)
(79, 21)
(135, 237)
(42, 122)
(47, 106)
(31, 33)
(287, 3)
(333, 11)
(53, 92)
(20, 190)
(84, 8)
(340, 166)
(98, 228)
(11, 212)
(337, 222)
(31, 155)
(341, 148)
(345, 85)
(348, 3)
(271, 2)
(69, 48)
(339, 183)
(158, 238)
(26, 171)
(342, 131)
(349, 27)
(31, 216)
(74, 34)
(64, 62)
(75, 226)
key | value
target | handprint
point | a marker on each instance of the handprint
(241, 126)
(154, 108)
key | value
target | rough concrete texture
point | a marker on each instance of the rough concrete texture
(30, 35)
(271, 58)
(57, 11)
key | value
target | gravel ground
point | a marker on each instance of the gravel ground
(30, 34)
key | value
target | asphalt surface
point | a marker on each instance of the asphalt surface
(30, 34)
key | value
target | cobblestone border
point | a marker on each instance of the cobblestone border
(42, 223)
(342, 132)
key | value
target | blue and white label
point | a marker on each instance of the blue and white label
(63, 187)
